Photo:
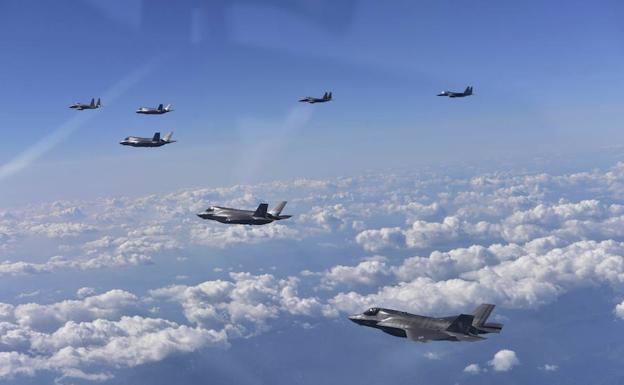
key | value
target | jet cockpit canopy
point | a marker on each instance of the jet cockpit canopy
(372, 311)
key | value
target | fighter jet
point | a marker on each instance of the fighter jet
(463, 327)
(155, 111)
(451, 94)
(326, 98)
(155, 141)
(245, 217)
(91, 106)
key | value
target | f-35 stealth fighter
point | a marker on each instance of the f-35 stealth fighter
(451, 94)
(91, 106)
(245, 217)
(326, 98)
(155, 111)
(463, 327)
(155, 141)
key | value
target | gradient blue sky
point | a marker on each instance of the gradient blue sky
(546, 78)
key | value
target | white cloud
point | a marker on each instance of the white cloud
(111, 304)
(519, 241)
(619, 310)
(472, 369)
(549, 367)
(432, 356)
(504, 360)
(367, 272)
(243, 305)
(85, 292)
(513, 277)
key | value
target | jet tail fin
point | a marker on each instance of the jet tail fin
(92, 104)
(168, 107)
(160, 107)
(261, 211)
(468, 90)
(99, 103)
(481, 315)
(277, 210)
(167, 137)
(329, 96)
(156, 137)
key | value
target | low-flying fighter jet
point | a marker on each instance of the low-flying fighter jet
(155, 111)
(326, 98)
(245, 217)
(463, 327)
(155, 141)
(451, 94)
(91, 106)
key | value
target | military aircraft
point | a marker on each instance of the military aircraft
(326, 98)
(155, 141)
(91, 106)
(463, 327)
(155, 111)
(245, 217)
(451, 94)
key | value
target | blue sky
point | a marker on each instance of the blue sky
(546, 79)
(399, 198)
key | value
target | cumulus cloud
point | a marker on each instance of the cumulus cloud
(472, 369)
(111, 304)
(367, 272)
(519, 241)
(619, 310)
(513, 277)
(242, 306)
(85, 292)
(75, 347)
(504, 360)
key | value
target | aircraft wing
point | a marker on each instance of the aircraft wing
(412, 333)
(464, 337)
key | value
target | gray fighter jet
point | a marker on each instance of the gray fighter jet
(326, 98)
(451, 94)
(155, 111)
(91, 106)
(155, 141)
(463, 327)
(245, 217)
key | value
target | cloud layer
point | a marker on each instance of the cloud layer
(423, 243)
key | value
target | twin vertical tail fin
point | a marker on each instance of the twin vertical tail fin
(92, 104)
(468, 90)
(167, 137)
(481, 315)
(277, 210)
(160, 107)
(156, 137)
(261, 211)
(99, 103)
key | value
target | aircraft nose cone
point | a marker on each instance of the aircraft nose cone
(357, 318)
